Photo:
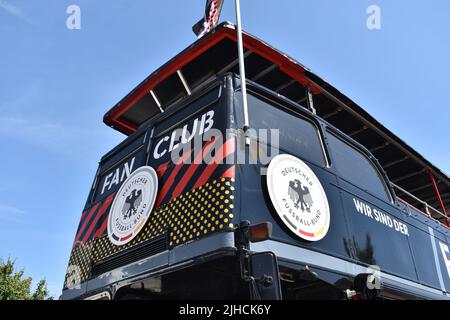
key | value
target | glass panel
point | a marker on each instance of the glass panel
(355, 167)
(297, 136)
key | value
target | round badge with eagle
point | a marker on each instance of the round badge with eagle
(132, 205)
(298, 197)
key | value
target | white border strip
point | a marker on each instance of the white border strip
(156, 100)
(184, 82)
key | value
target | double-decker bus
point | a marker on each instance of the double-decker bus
(314, 200)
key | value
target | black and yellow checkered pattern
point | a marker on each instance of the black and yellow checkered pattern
(191, 216)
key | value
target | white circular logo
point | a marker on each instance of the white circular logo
(298, 197)
(132, 205)
(73, 277)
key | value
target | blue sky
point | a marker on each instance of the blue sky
(56, 84)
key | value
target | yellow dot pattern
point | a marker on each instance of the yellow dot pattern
(191, 216)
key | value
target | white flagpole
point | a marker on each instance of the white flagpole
(242, 69)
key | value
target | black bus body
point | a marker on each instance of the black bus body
(197, 242)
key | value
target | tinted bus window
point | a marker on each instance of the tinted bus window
(297, 135)
(355, 167)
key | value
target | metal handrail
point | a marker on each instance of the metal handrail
(425, 204)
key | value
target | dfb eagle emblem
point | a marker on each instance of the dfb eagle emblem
(131, 203)
(300, 195)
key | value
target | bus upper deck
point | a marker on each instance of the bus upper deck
(331, 204)
(418, 182)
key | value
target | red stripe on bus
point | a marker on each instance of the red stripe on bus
(170, 180)
(81, 219)
(162, 169)
(100, 213)
(102, 228)
(83, 214)
(91, 212)
(226, 149)
(191, 170)
(229, 173)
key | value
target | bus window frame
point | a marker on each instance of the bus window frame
(294, 110)
(329, 130)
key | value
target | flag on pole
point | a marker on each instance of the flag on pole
(212, 14)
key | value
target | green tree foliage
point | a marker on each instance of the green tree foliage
(14, 287)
